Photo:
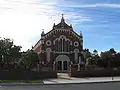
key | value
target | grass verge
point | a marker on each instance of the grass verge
(21, 82)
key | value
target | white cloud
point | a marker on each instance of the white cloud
(77, 18)
(95, 5)
(104, 5)
(23, 20)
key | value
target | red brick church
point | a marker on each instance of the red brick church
(60, 47)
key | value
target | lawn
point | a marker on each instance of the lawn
(21, 82)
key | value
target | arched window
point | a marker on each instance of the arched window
(62, 44)
(56, 45)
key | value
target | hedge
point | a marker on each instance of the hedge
(31, 75)
(95, 73)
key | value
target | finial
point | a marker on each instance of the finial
(42, 32)
(32, 47)
(62, 20)
(62, 15)
(53, 25)
(70, 25)
(81, 34)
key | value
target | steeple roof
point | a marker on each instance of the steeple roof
(62, 24)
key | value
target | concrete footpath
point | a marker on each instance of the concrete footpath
(63, 78)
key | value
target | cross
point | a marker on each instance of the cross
(62, 15)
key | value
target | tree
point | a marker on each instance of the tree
(9, 53)
(94, 58)
(116, 62)
(95, 52)
(87, 56)
(112, 51)
(107, 57)
(29, 60)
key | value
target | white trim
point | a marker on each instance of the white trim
(64, 52)
(41, 41)
(76, 44)
(61, 30)
(48, 50)
(79, 60)
(70, 42)
(62, 58)
(48, 41)
(76, 51)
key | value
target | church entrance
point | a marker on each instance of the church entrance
(62, 63)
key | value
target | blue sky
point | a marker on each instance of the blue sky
(97, 19)
(23, 20)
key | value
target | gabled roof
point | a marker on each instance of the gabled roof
(36, 44)
(62, 24)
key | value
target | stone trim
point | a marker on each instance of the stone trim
(76, 44)
(48, 43)
(48, 50)
(64, 52)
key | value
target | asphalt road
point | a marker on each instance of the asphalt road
(93, 86)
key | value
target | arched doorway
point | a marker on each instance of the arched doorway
(62, 63)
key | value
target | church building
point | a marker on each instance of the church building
(60, 47)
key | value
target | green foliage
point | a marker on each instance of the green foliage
(29, 59)
(21, 81)
(90, 58)
(87, 54)
(9, 53)
(95, 52)
(11, 56)
(108, 58)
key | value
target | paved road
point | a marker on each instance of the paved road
(93, 86)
